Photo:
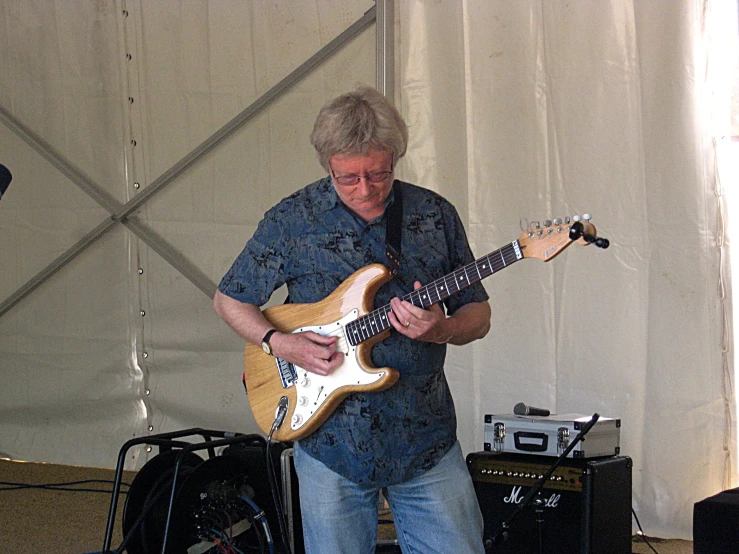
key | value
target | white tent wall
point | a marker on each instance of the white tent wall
(531, 110)
(69, 390)
(519, 111)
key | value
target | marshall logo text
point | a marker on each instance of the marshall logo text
(516, 497)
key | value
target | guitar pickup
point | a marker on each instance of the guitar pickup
(288, 375)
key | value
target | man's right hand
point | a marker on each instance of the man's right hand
(308, 350)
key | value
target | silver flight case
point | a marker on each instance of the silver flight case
(551, 435)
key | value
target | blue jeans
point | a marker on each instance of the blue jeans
(435, 513)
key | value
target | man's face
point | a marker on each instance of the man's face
(367, 196)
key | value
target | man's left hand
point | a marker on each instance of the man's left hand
(429, 325)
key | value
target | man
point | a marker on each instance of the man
(402, 439)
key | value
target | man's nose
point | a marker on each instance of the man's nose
(364, 185)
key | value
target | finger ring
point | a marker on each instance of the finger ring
(407, 323)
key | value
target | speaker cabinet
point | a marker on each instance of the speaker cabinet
(584, 507)
(716, 524)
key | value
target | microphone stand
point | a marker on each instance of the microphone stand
(502, 534)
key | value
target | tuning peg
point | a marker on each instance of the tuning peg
(576, 231)
(547, 223)
(557, 221)
(567, 220)
(586, 217)
(576, 218)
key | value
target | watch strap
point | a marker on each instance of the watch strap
(269, 335)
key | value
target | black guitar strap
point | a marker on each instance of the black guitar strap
(394, 228)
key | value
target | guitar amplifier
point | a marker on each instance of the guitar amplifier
(585, 506)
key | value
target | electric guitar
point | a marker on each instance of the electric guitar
(306, 399)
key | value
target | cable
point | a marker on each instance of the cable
(11, 486)
(646, 540)
(161, 486)
(146, 508)
(279, 418)
(260, 517)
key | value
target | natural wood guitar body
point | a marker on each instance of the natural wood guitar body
(354, 297)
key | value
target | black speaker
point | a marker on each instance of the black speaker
(584, 507)
(716, 524)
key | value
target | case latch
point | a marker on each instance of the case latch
(498, 436)
(563, 439)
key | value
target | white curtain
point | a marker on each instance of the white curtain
(530, 110)
(519, 112)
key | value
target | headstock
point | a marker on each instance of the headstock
(545, 242)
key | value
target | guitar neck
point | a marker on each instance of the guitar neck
(376, 322)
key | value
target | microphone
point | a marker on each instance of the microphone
(523, 409)
(5, 178)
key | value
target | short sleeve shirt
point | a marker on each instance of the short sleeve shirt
(312, 243)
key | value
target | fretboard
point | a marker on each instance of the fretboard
(376, 321)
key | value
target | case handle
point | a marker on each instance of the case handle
(542, 446)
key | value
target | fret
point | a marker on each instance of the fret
(491, 267)
(413, 298)
(363, 328)
(372, 323)
(377, 319)
(460, 275)
(418, 299)
(383, 316)
(497, 263)
(356, 332)
(435, 297)
(456, 281)
(424, 294)
(486, 266)
(354, 338)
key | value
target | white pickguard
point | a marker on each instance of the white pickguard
(313, 390)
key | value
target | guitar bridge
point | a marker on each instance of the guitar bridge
(288, 375)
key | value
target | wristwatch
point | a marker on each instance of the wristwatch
(265, 342)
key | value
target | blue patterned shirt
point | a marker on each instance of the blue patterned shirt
(312, 242)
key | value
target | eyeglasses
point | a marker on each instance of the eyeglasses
(350, 180)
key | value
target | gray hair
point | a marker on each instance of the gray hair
(356, 122)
